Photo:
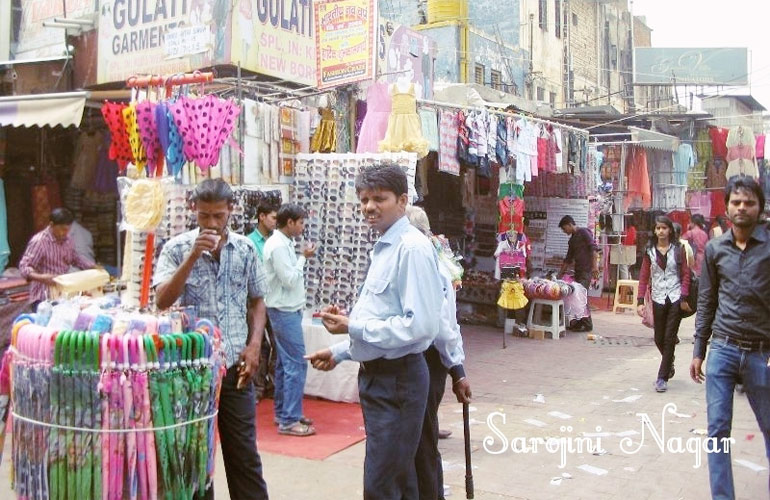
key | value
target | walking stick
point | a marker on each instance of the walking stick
(468, 469)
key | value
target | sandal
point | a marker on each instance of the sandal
(296, 429)
(303, 419)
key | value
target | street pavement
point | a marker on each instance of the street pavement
(574, 391)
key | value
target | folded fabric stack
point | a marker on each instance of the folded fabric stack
(13, 290)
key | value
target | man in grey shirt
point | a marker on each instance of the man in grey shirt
(733, 308)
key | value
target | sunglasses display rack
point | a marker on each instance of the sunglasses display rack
(111, 403)
(179, 217)
(324, 185)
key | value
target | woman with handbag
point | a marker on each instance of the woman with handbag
(664, 285)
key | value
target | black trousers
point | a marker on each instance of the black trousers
(393, 395)
(430, 474)
(667, 318)
(238, 438)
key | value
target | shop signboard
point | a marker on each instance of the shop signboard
(38, 41)
(404, 53)
(698, 66)
(275, 38)
(344, 40)
(160, 37)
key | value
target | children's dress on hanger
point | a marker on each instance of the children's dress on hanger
(376, 120)
(404, 126)
(325, 136)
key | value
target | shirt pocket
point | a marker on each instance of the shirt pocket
(199, 290)
(378, 297)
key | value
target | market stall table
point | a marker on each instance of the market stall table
(340, 384)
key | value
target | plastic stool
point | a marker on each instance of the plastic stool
(547, 315)
(619, 304)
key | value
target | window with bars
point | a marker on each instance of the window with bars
(478, 74)
(552, 98)
(542, 14)
(540, 94)
(557, 24)
(497, 80)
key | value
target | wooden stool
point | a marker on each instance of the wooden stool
(540, 320)
(619, 304)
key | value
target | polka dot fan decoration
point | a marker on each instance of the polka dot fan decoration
(204, 124)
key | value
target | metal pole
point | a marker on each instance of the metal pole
(241, 128)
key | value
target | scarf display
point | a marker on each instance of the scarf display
(113, 404)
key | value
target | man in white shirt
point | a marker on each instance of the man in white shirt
(83, 241)
(285, 301)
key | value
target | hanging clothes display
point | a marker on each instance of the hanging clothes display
(718, 141)
(703, 153)
(700, 203)
(667, 193)
(683, 161)
(429, 123)
(716, 177)
(113, 404)
(325, 137)
(404, 129)
(638, 186)
(526, 142)
(448, 133)
(512, 250)
(741, 153)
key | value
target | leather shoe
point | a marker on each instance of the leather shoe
(443, 434)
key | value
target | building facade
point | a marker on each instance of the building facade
(478, 41)
(599, 54)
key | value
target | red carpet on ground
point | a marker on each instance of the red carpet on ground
(337, 425)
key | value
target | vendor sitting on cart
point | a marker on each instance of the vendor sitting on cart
(50, 253)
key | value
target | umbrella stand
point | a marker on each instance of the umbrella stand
(468, 467)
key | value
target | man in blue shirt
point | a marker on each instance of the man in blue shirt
(218, 272)
(266, 222)
(394, 321)
(285, 302)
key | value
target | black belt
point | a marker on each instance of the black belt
(746, 345)
(382, 365)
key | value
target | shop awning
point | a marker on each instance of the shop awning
(654, 140)
(42, 110)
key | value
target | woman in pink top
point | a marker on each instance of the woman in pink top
(697, 237)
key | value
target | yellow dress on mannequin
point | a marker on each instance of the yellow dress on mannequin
(512, 295)
(404, 126)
